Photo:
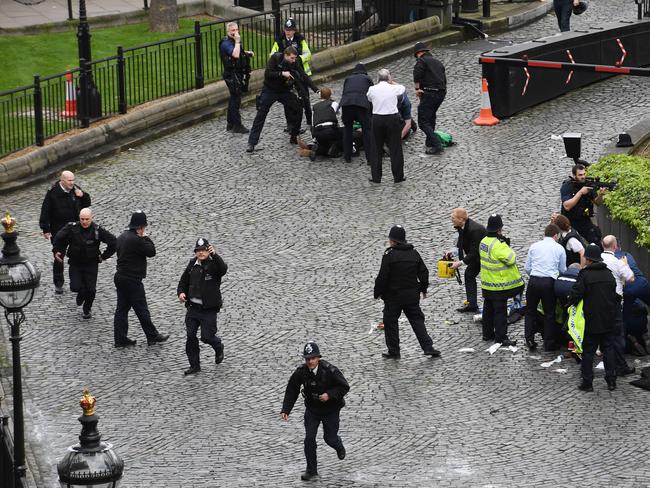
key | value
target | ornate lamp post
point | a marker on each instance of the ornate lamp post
(18, 280)
(91, 462)
(90, 105)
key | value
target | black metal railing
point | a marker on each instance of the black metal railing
(643, 8)
(6, 455)
(55, 104)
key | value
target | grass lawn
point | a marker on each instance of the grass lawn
(48, 54)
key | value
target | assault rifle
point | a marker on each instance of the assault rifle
(597, 183)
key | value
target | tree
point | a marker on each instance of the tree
(163, 16)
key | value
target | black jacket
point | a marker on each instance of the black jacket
(328, 379)
(132, 254)
(597, 287)
(83, 244)
(430, 73)
(355, 90)
(323, 112)
(60, 207)
(273, 79)
(402, 276)
(469, 239)
(212, 269)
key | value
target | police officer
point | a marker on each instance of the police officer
(133, 249)
(327, 134)
(578, 204)
(200, 289)
(356, 107)
(431, 88)
(500, 280)
(324, 387)
(62, 204)
(81, 241)
(402, 277)
(280, 77)
(293, 38)
(236, 70)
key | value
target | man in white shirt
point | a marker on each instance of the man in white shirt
(386, 125)
(622, 274)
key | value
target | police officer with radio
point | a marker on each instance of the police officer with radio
(280, 77)
(578, 201)
(236, 74)
(200, 289)
(431, 88)
(81, 241)
(323, 387)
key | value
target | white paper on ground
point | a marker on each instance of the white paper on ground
(556, 360)
(493, 348)
(560, 370)
(600, 365)
(466, 349)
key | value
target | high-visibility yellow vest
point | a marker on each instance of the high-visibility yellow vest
(498, 266)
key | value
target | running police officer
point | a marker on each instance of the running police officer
(61, 205)
(81, 241)
(323, 387)
(578, 204)
(280, 77)
(200, 289)
(236, 73)
(431, 88)
(133, 249)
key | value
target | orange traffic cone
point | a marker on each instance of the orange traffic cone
(485, 116)
(70, 98)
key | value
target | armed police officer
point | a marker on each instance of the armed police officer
(200, 289)
(133, 249)
(403, 276)
(81, 242)
(323, 387)
(295, 39)
(281, 75)
(61, 205)
(578, 199)
(431, 88)
(236, 74)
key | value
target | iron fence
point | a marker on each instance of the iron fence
(55, 104)
(7, 478)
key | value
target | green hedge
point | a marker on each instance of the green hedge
(630, 201)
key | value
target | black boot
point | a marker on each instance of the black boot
(585, 386)
(611, 384)
(308, 475)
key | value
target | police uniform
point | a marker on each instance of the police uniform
(429, 76)
(580, 215)
(60, 207)
(84, 255)
(132, 253)
(326, 130)
(278, 89)
(402, 277)
(235, 74)
(325, 378)
(356, 107)
(500, 280)
(201, 284)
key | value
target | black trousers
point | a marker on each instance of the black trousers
(330, 435)
(386, 129)
(589, 345)
(57, 268)
(413, 312)
(292, 112)
(495, 315)
(130, 294)
(329, 140)
(83, 281)
(233, 117)
(427, 109)
(195, 318)
(306, 106)
(349, 115)
(541, 289)
(471, 272)
(563, 10)
(588, 230)
(619, 343)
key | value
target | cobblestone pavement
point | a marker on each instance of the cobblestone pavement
(304, 241)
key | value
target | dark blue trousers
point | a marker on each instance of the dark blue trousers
(131, 295)
(413, 312)
(429, 104)
(292, 112)
(330, 435)
(83, 281)
(563, 10)
(195, 318)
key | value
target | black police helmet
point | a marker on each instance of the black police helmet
(397, 234)
(201, 243)
(593, 253)
(494, 223)
(311, 350)
(138, 219)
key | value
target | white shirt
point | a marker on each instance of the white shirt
(315, 370)
(619, 269)
(383, 97)
(573, 244)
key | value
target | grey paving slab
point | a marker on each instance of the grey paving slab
(304, 241)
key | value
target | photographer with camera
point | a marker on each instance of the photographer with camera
(578, 196)
(280, 77)
(236, 74)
